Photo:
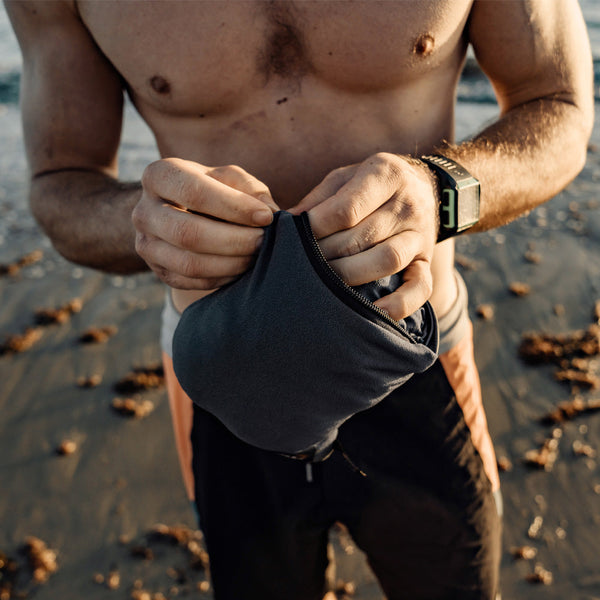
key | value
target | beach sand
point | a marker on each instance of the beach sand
(95, 503)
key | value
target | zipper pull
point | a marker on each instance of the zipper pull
(309, 472)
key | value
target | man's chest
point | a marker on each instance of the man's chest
(181, 56)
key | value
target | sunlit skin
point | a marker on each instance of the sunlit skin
(314, 106)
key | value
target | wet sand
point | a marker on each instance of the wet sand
(114, 476)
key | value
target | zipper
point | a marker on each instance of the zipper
(338, 286)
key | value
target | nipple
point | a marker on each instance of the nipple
(160, 85)
(424, 44)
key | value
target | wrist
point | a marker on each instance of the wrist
(427, 176)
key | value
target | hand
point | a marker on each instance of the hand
(375, 219)
(199, 227)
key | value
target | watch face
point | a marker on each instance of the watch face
(459, 202)
(448, 209)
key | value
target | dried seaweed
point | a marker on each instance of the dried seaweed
(141, 379)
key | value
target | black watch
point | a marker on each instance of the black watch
(459, 195)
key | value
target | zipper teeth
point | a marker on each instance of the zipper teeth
(341, 283)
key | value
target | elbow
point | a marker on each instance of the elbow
(575, 117)
(51, 226)
(584, 124)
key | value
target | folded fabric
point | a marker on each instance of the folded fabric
(288, 352)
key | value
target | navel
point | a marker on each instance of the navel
(160, 85)
(424, 45)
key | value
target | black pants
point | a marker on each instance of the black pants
(423, 511)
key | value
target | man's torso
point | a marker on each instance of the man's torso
(290, 90)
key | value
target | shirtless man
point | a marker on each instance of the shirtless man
(314, 106)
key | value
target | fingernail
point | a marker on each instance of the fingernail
(262, 217)
(259, 242)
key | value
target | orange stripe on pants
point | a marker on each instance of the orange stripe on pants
(461, 371)
(182, 415)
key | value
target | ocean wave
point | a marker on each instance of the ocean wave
(9, 87)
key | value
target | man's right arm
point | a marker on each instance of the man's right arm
(72, 103)
(72, 106)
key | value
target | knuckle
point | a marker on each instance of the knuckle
(236, 169)
(260, 189)
(185, 234)
(426, 280)
(223, 171)
(138, 217)
(388, 167)
(427, 286)
(180, 280)
(150, 173)
(347, 215)
(353, 245)
(337, 175)
(383, 158)
(190, 265)
(166, 276)
(393, 258)
(402, 308)
(141, 244)
(159, 170)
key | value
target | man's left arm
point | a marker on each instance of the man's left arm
(380, 217)
(537, 56)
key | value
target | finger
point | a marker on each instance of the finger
(387, 258)
(196, 232)
(180, 282)
(373, 184)
(377, 227)
(328, 187)
(175, 266)
(412, 294)
(186, 184)
(236, 177)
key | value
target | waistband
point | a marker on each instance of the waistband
(169, 320)
(454, 325)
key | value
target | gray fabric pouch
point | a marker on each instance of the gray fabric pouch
(288, 352)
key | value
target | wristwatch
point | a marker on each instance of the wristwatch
(459, 195)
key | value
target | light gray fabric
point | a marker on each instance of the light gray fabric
(169, 321)
(284, 355)
(454, 324)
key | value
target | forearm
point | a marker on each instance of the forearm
(525, 158)
(87, 216)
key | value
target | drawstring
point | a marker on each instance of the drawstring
(338, 445)
(309, 472)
